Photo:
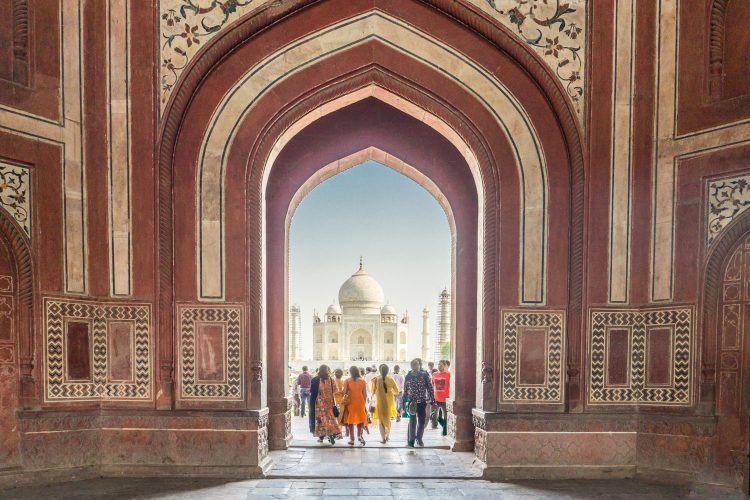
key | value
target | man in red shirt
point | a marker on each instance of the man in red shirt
(441, 383)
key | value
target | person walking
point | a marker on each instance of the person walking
(417, 394)
(384, 389)
(399, 379)
(441, 384)
(432, 409)
(304, 380)
(354, 401)
(370, 373)
(323, 410)
(338, 380)
(295, 395)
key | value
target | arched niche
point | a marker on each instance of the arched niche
(446, 103)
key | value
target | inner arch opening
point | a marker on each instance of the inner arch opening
(371, 129)
(374, 211)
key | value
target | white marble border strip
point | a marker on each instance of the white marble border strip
(74, 181)
(670, 149)
(118, 123)
(508, 112)
(621, 169)
(69, 135)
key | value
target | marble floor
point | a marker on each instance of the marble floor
(378, 463)
(393, 460)
(121, 488)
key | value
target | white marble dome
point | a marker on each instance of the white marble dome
(361, 294)
(388, 309)
(334, 309)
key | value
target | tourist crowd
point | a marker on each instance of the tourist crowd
(340, 405)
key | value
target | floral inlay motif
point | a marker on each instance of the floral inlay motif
(185, 26)
(14, 194)
(556, 30)
(727, 198)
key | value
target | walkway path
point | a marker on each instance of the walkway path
(432, 437)
(308, 458)
(363, 463)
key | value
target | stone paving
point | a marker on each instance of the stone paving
(191, 488)
(432, 437)
(333, 462)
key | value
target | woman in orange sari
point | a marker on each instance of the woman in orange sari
(353, 401)
(323, 421)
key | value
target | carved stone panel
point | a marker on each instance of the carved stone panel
(88, 375)
(641, 356)
(210, 352)
(533, 355)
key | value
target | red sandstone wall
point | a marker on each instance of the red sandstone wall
(694, 137)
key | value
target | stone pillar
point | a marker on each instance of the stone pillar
(280, 424)
(295, 329)
(425, 333)
(460, 425)
(463, 376)
(444, 330)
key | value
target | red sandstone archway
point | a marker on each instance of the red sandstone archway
(725, 381)
(251, 284)
(16, 336)
(365, 124)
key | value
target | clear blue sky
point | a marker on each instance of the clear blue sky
(396, 225)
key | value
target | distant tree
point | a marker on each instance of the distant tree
(445, 350)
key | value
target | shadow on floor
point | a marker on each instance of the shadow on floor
(122, 488)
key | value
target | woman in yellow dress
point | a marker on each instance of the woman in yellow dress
(384, 391)
(353, 402)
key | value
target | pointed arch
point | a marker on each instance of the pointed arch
(19, 247)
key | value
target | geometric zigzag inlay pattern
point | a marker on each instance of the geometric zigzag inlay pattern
(553, 322)
(57, 312)
(678, 392)
(230, 317)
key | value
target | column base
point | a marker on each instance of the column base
(514, 447)
(460, 425)
(164, 395)
(280, 424)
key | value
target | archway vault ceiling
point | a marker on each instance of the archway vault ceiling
(377, 27)
(555, 30)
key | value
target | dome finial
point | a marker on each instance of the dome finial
(361, 264)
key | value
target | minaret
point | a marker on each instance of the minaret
(444, 323)
(425, 334)
(295, 329)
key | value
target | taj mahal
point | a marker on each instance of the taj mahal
(362, 326)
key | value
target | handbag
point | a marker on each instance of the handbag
(336, 412)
